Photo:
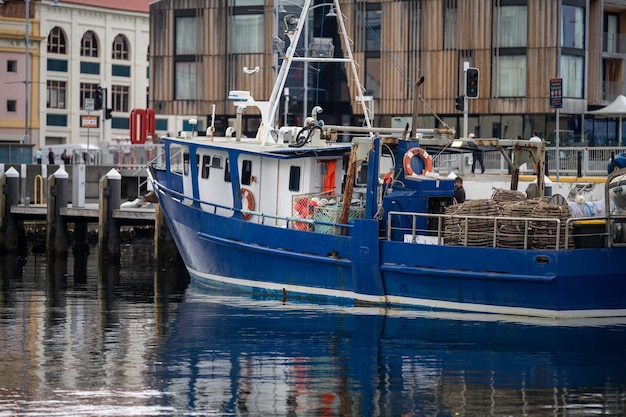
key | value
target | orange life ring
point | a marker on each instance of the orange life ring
(388, 178)
(428, 161)
(247, 194)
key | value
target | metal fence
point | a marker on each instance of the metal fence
(590, 161)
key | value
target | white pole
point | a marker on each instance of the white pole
(465, 101)
(558, 74)
(26, 69)
(305, 73)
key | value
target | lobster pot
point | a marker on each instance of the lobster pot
(545, 233)
(515, 233)
(471, 224)
(303, 207)
(332, 214)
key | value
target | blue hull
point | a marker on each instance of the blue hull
(230, 253)
(361, 269)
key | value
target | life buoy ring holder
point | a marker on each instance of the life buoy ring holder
(249, 197)
(423, 154)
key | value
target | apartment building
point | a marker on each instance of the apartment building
(204, 49)
(76, 50)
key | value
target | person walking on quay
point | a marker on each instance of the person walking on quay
(38, 156)
(459, 191)
(477, 156)
(50, 156)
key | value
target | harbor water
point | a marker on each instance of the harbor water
(82, 339)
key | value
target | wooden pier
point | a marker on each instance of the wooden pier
(58, 214)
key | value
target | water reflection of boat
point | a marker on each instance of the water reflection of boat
(266, 357)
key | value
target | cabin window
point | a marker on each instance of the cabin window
(176, 165)
(198, 162)
(186, 163)
(206, 166)
(227, 171)
(246, 172)
(217, 162)
(294, 178)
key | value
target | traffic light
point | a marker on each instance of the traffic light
(98, 99)
(460, 103)
(107, 114)
(471, 83)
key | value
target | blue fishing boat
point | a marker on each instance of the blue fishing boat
(295, 212)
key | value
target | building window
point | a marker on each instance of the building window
(573, 27)
(512, 27)
(120, 97)
(11, 66)
(372, 29)
(89, 45)
(511, 40)
(56, 41)
(572, 70)
(246, 33)
(120, 48)
(512, 76)
(247, 26)
(87, 90)
(450, 12)
(55, 98)
(11, 106)
(186, 38)
(372, 76)
(186, 81)
(611, 33)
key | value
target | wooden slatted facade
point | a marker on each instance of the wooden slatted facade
(413, 35)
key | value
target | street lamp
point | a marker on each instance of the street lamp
(305, 75)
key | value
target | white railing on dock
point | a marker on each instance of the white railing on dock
(593, 161)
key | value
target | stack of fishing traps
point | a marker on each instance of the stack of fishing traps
(508, 220)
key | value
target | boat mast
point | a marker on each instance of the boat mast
(294, 37)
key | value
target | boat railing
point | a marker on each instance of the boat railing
(255, 216)
(497, 231)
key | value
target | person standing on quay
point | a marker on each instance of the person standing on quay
(535, 138)
(38, 156)
(459, 191)
(477, 156)
(50, 156)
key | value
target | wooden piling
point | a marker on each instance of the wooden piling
(165, 250)
(56, 225)
(110, 189)
(81, 239)
(9, 227)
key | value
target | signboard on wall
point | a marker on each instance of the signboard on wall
(89, 121)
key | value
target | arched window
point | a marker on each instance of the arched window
(120, 48)
(56, 41)
(89, 45)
